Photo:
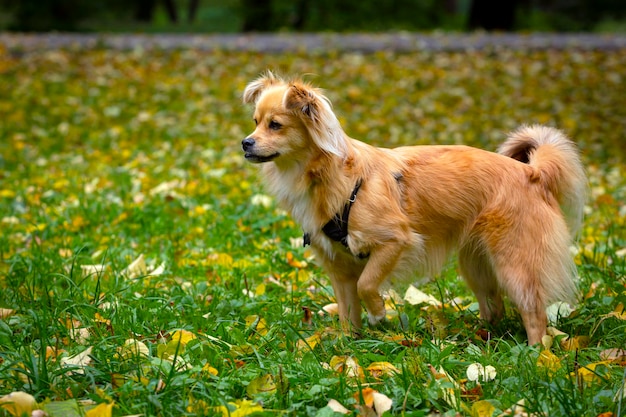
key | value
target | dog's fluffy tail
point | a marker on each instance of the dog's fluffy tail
(557, 161)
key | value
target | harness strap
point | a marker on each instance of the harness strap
(337, 227)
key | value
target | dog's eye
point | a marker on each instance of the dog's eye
(275, 125)
(256, 122)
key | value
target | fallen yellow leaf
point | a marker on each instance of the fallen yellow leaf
(347, 365)
(209, 370)
(137, 268)
(99, 319)
(331, 309)
(65, 252)
(183, 336)
(260, 289)
(244, 408)
(337, 407)
(257, 324)
(414, 296)
(588, 373)
(18, 403)
(380, 369)
(565, 341)
(309, 343)
(262, 385)
(76, 224)
(549, 361)
(133, 348)
(619, 312)
(6, 313)
(7, 193)
(367, 394)
(101, 410)
(374, 402)
(482, 408)
(52, 352)
(575, 343)
(31, 228)
(96, 269)
(294, 262)
(220, 259)
(78, 362)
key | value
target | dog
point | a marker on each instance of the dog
(373, 214)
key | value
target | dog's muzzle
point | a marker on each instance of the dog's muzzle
(248, 145)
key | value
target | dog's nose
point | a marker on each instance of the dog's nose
(247, 143)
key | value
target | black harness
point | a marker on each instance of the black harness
(337, 228)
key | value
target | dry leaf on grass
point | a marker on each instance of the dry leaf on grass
(263, 384)
(380, 369)
(331, 309)
(101, 410)
(337, 407)
(6, 313)
(414, 296)
(18, 403)
(374, 401)
(477, 372)
(78, 362)
(614, 355)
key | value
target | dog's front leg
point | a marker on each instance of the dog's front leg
(345, 289)
(380, 265)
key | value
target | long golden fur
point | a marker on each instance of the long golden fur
(510, 215)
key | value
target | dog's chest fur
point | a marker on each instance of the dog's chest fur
(311, 203)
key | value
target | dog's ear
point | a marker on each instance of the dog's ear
(316, 111)
(302, 98)
(255, 88)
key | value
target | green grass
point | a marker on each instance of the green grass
(106, 155)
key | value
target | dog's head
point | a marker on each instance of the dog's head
(292, 120)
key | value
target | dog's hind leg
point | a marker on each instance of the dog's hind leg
(520, 280)
(479, 275)
(535, 323)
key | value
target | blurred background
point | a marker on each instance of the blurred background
(233, 16)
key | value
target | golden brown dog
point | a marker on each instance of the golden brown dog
(371, 214)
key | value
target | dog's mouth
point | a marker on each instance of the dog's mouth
(257, 159)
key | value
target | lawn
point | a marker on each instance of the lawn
(144, 270)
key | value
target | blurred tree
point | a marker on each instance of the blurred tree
(335, 15)
(192, 10)
(347, 15)
(44, 15)
(492, 15)
(170, 8)
(257, 15)
(144, 10)
(580, 14)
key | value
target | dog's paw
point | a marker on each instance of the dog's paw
(374, 320)
(384, 325)
(380, 322)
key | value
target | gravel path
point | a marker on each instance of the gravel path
(314, 42)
